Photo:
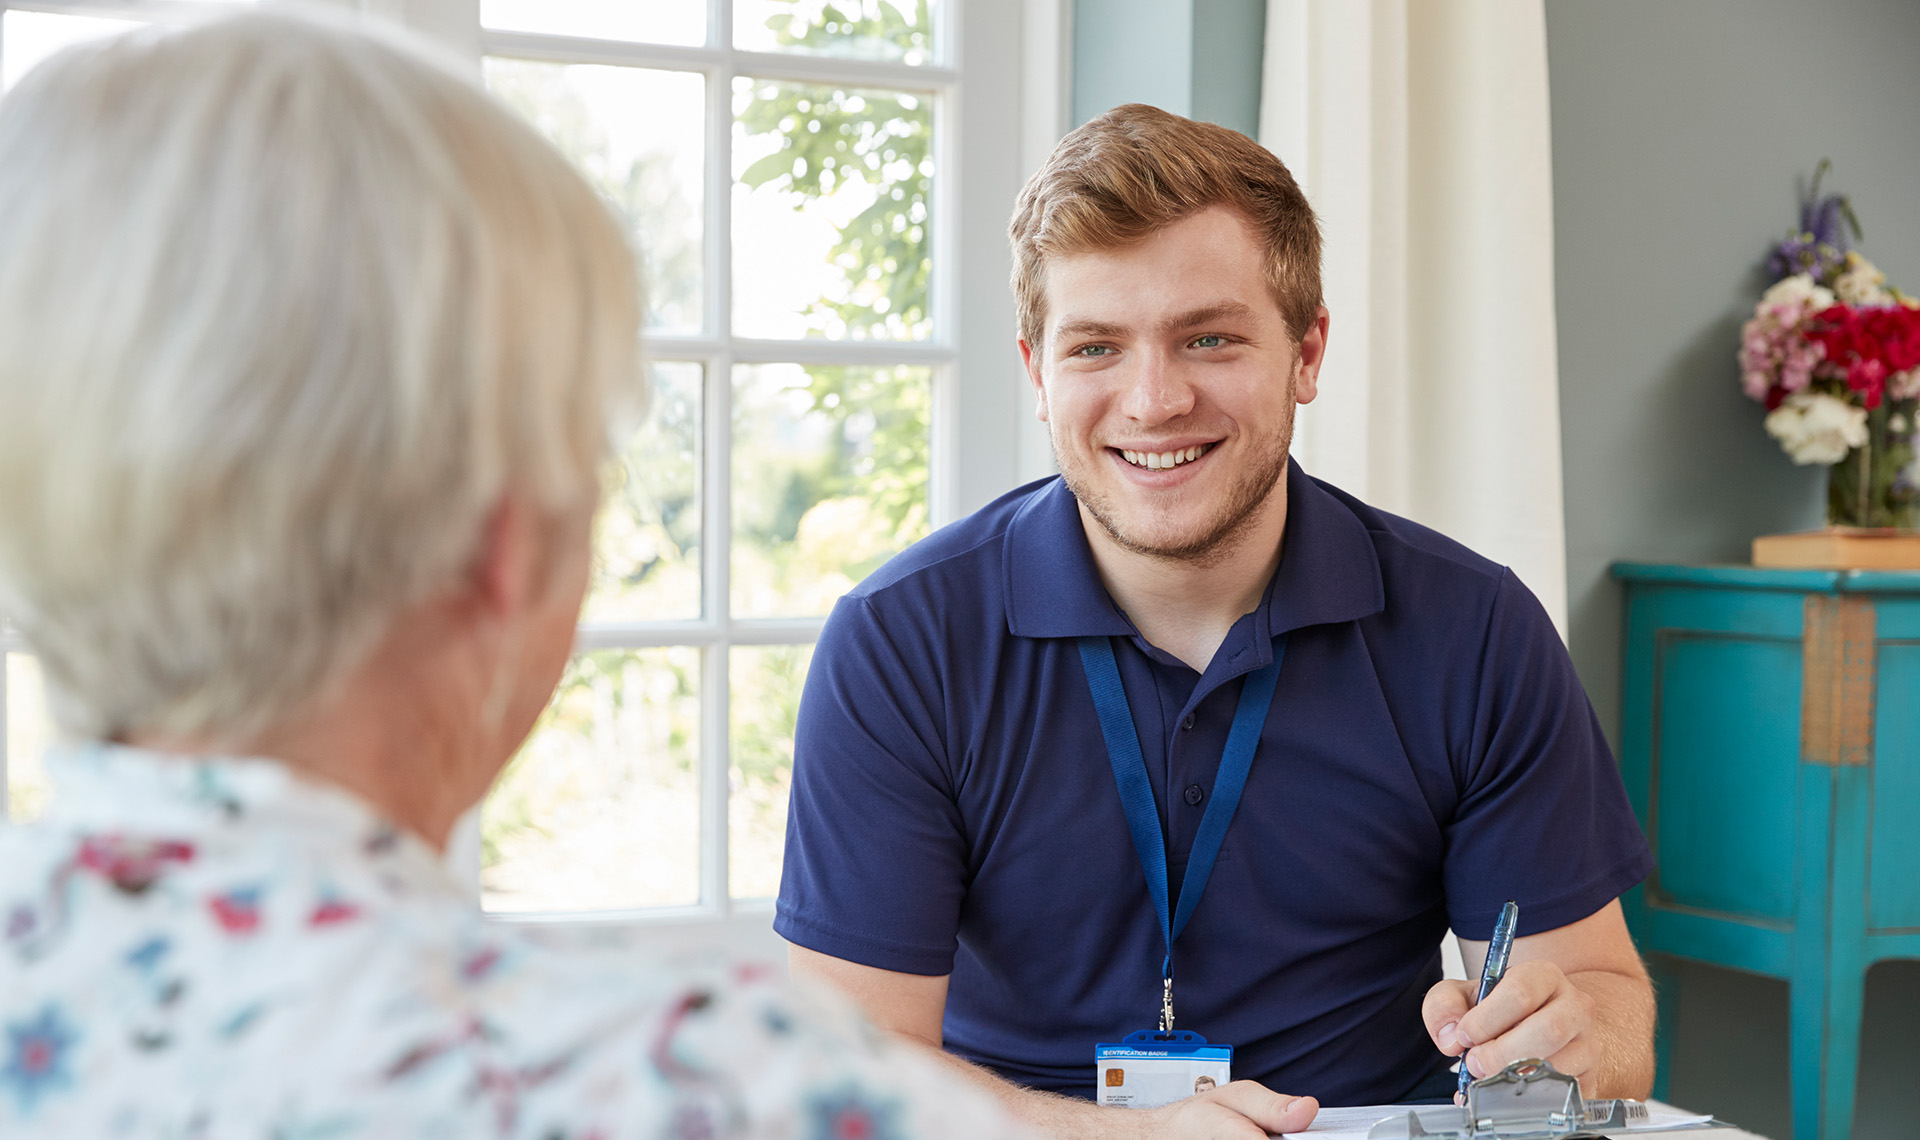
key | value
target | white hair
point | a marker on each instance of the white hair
(286, 306)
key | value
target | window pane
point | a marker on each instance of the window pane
(26, 38)
(647, 550)
(650, 21)
(29, 731)
(637, 136)
(830, 200)
(900, 31)
(766, 681)
(601, 808)
(829, 480)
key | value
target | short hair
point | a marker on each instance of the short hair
(1117, 179)
(287, 304)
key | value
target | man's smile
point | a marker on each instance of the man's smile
(1163, 459)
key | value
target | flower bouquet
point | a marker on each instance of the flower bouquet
(1833, 352)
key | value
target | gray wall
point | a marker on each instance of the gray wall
(1198, 58)
(1681, 132)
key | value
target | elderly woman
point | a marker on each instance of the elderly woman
(308, 357)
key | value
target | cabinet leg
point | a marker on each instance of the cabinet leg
(1846, 993)
(1825, 1031)
(1806, 1026)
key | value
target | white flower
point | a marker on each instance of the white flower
(1816, 428)
(1798, 290)
(1862, 283)
(1898, 424)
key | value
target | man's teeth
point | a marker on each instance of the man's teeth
(1160, 460)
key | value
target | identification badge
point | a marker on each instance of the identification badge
(1149, 1069)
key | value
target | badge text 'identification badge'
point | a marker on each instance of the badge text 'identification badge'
(1148, 1069)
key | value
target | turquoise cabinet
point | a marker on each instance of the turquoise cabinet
(1770, 741)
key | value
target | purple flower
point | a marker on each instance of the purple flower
(1820, 218)
(37, 1057)
(1819, 248)
(1804, 253)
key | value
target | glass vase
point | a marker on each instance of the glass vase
(1872, 486)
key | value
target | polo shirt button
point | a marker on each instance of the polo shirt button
(1187, 721)
(1195, 794)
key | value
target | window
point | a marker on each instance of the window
(787, 202)
(820, 193)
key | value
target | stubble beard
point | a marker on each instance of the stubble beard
(1222, 538)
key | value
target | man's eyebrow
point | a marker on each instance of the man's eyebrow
(1207, 314)
(1087, 326)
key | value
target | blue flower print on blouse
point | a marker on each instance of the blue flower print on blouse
(37, 1057)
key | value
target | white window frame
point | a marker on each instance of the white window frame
(999, 81)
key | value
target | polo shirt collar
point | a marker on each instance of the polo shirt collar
(1053, 588)
(1328, 571)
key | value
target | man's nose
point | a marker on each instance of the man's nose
(1157, 391)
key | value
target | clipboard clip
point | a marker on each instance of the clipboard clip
(1527, 1100)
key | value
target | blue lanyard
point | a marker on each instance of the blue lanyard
(1136, 791)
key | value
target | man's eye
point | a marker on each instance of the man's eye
(1211, 340)
(1092, 350)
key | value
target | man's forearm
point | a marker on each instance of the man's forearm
(1623, 1016)
(1239, 1108)
(1049, 1114)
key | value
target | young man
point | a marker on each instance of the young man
(1012, 726)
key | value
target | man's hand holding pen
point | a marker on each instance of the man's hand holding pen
(1535, 1011)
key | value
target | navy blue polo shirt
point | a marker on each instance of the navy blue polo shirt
(1429, 754)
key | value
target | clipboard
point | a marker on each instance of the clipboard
(1527, 1100)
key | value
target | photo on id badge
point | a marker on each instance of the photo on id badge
(1148, 1074)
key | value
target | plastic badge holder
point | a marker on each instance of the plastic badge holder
(1149, 1069)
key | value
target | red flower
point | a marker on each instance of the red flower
(332, 911)
(1868, 345)
(238, 911)
(131, 865)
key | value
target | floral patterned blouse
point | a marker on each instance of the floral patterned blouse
(211, 948)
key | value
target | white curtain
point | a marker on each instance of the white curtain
(1419, 130)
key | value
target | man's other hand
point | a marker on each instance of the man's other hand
(1238, 1110)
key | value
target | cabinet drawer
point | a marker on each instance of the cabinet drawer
(1893, 853)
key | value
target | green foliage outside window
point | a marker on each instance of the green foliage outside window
(811, 515)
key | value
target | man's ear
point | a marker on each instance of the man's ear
(1313, 351)
(1031, 362)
